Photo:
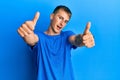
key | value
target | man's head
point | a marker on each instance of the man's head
(64, 8)
(59, 18)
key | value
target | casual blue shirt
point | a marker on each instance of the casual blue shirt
(54, 56)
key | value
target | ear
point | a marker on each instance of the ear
(51, 16)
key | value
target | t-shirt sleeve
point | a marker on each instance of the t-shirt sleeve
(33, 48)
(70, 33)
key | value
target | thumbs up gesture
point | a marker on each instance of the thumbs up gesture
(26, 30)
(88, 39)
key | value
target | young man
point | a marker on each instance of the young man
(53, 47)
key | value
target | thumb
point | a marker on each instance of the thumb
(87, 28)
(36, 17)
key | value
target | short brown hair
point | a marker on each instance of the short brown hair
(66, 9)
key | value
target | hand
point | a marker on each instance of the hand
(88, 39)
(26, 30)
(28, 27)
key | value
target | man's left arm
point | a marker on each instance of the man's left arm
(85, 39)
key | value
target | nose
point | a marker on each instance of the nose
(62, 23)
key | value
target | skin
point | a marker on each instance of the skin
(58, 22)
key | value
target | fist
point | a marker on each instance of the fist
(28, 27)
(26, 31)
(87, 37)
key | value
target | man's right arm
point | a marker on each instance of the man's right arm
(85, 39)
(26, 31)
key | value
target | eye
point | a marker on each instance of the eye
(66, 21)
(60, 17)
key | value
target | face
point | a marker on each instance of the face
(59, 21)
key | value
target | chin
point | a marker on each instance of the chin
(57, 31)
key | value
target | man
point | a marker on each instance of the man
(54, 45)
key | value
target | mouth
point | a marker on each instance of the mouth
(59, 27)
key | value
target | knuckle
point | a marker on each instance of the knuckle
(84, 42)
(26, 22)
(84, 37)
(23, 25)
(31, 27)
(86, 45)
(20, 28)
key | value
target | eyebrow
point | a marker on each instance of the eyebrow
(63, 18)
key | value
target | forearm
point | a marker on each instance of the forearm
(76, 40)
(31, 39)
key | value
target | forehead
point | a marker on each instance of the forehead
(63, 13)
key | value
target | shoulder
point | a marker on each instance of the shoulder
(39, 33)
(68, 33)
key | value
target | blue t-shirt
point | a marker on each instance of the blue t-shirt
(54, 56)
